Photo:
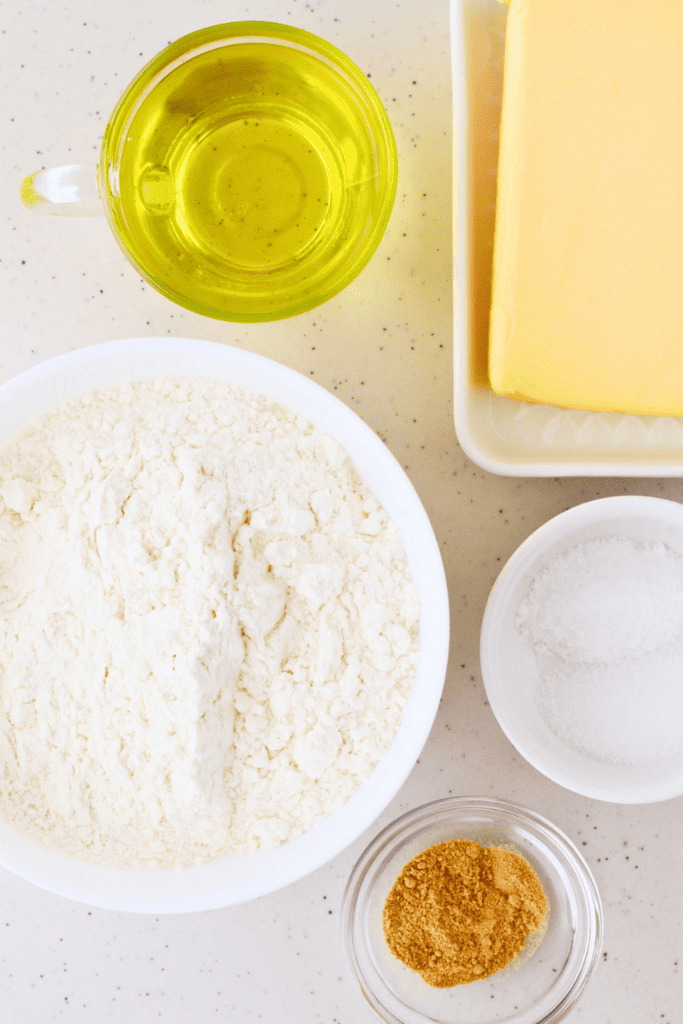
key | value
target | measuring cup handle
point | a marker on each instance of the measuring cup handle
(70, 191)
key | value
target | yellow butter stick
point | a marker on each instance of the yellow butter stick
(587, 305)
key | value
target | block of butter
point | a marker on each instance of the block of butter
(587, 305)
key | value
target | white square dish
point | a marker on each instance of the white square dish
(502, 435)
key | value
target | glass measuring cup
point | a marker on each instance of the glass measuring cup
(248, 172)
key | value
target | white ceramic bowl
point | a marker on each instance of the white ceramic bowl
(241, 877)
(509, 667)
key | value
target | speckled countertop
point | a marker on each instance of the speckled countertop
(384, 347)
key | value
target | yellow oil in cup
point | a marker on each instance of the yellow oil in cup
(248, 172)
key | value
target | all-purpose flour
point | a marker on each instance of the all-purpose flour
(208, 630)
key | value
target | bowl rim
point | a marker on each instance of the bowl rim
(207, 886)
(399, 830)
(564, 524)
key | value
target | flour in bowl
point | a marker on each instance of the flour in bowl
(208, 628)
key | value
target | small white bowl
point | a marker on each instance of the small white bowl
(509, 666)
(240, 877)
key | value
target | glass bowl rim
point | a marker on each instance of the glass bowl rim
(400, 829)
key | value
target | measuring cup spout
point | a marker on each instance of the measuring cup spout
(70, 191)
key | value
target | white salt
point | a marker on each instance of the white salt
(605, 600)
(606, 622)
(630, 712)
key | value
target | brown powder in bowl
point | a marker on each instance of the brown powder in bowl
(459, 912)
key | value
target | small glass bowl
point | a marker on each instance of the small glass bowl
(541, 985)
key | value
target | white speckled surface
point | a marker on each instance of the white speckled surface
(384, 346)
